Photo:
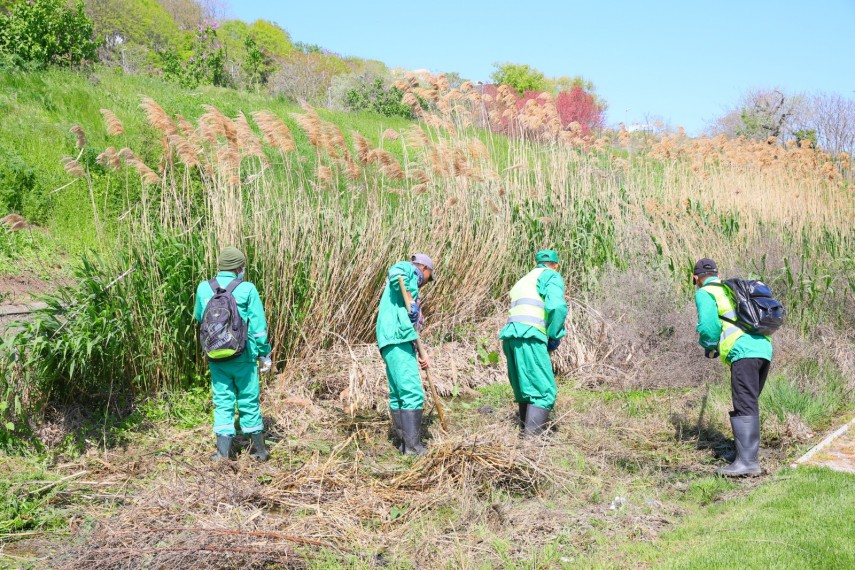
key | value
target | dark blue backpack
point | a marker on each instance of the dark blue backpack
(223, 331)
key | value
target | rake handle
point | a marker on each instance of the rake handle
(408, 302)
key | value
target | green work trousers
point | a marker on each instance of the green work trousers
(236, 382)
(402, 370)
(530, 371)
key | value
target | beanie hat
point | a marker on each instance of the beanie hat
(230, 258)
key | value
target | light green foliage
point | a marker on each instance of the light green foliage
(268, 36)
(142, 22)
(520, 77)
(47, 32)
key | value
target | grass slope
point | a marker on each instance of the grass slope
(40, 108)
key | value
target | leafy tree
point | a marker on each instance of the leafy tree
(579, 106)
(47, 32)
(520, 77)
(206, 64)
(142, 22)
(806, 135)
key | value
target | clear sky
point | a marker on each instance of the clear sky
(683, 61)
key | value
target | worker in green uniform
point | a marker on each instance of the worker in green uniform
(397, 329)
(749, 357)
(534, 329)
(236, 381)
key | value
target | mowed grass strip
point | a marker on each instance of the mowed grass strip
(803, 518)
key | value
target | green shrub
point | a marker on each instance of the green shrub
(373, 96)
(47, 32)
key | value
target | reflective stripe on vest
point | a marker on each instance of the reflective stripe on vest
(527, 306)
(730, 333)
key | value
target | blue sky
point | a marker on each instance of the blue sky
(682, 61)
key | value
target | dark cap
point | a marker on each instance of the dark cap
(705, 266)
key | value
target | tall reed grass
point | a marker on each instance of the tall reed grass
(321, 228)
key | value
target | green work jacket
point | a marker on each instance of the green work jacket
(550, 287)
(393, 324)
(709, 330)
(251, 311)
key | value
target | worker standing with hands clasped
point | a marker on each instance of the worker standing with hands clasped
(233, 334)
(397, 330)
(534, 329)
(748, 355)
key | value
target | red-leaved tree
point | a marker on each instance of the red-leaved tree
(579, 106)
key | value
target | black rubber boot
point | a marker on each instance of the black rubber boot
(523, 408)
(224, 447)
(397, 426)
(257, 448)
(411, 425)
(746, 434)
(536, 419)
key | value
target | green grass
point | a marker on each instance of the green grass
(802, 518)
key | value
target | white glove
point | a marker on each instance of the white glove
(264, 364)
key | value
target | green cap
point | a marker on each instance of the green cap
(230, 258)
(546, 255)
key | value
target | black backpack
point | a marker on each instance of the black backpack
(757, 311)
(223, 332)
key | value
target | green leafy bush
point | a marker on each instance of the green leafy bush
(373, 96)
(47, 32)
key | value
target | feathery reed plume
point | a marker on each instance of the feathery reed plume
(148, 175)
(420, 176)
(184, 150)
(18, 226)
(11, 219)
(189, 133)
(77, 131)
(228, 158)
(325, 174)
(222, 124)
(416, 137)
(109, 159)
(391, 135)
(351, 168)
(419, 188)
(73, 167)
(114, 125)
(248, 142)
(363, 147)
(157, 117)
(387, 161)
(276, 132)
(311, 123)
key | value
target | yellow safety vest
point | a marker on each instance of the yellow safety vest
(527, 306)
(730, 333)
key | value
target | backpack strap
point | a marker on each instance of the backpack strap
(215, 285)
(233, 285)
